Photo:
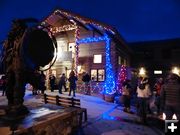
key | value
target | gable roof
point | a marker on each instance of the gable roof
(61, 17)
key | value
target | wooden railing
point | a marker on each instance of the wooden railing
(67, 102)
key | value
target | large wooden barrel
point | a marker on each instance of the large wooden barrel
(37, 48)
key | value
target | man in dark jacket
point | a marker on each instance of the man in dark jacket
(52, 81)
(86, 79)
(72, 82)
(42, 82)
(62, 83)
(170, 96)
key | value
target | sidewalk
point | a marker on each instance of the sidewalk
(104, 118)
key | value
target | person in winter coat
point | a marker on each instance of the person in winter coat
(3, 85)
(126, 93)
(157, 90)
(62, 83)
(72, 83)
(42, 81)
(143, 95)
(170, 96)
(52, 81)
(86, 79)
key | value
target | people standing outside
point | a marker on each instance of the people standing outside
(157, 90)
(42, 79)
(143, 95)
(86, 79)
(3, 85)
(62, 83)
(52, 81)
(126, 93)
(72, 83)
(170, 96)
(35, 82)
(139, 81)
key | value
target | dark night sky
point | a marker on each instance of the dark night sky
(136, 20)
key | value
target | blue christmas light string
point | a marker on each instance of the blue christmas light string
(91, 39)
(109, 86)
(110, 79)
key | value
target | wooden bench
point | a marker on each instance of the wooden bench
(67, 102)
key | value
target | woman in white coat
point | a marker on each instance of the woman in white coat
(143, 94)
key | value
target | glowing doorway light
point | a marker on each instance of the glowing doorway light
(175, 70)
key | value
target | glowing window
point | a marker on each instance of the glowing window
(97, 58)
(119, 60)
(94, 75)
(101, 75)
(97, 75)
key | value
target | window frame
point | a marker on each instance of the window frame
(97, 75)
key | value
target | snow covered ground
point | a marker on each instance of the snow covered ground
(104, 118)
